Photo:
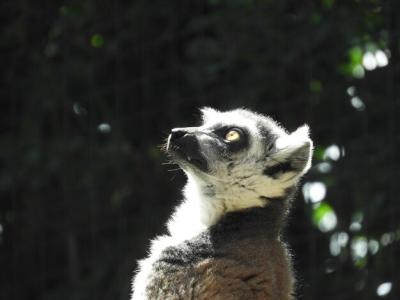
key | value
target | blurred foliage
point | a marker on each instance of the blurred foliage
(90, 89)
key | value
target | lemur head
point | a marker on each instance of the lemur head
(240, 157)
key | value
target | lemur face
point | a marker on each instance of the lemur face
(240, 149)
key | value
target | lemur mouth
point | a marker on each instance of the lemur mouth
(184, 148)
(198, 162)
(180, 156)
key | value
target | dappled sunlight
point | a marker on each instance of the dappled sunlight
(314, 192)
(359, 247)
(384, 289)
(357, 103)
(381, 58)
(324, 217)
(369, 61)
(388, 238)
(324, 167)
(351, 90)
(328, 220)
(373, 246)
(338, 242)
(333, 152)
(356, 221)
(355, 226)
(104, 128)
(358, 72)
(366, 57)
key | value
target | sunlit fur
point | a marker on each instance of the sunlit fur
(231, 187)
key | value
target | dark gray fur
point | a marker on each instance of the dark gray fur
(266, 222)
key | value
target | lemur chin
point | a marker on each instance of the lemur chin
(224, 239)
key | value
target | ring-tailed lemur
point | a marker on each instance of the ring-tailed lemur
(224, 239)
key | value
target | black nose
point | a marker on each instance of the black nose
(185, 147)
(176, 134)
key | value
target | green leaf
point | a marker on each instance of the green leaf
(360, 262)
(319, 211)
(324, 217)
(315, 86)
(97, 41)
(355, 55)
(319, 153)
(316, 18)
(327, 4)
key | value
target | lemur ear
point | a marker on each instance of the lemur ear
(296, 148)
(208, 114)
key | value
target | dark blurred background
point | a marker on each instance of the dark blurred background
(89, 89)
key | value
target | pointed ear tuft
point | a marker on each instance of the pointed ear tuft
(297, 148)
(302, 156)
(293, 140)
(303, 145)
(301, 134)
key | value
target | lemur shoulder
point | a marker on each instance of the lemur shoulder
(224, 239)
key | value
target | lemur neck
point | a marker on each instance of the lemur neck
(253, 222)
(204, 207)
(212, 202)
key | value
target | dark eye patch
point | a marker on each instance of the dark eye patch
(220, 132)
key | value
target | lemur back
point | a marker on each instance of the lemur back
(224, 240)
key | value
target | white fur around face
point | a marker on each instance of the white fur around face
(208, 196)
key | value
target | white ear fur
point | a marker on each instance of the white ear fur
(298, 143)
(302, 132)
(208, 113)
(308, 150)
(294, 140)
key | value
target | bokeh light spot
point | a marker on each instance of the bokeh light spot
(104, 128)
(384, 289)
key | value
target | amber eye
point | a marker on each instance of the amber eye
(233, 135)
